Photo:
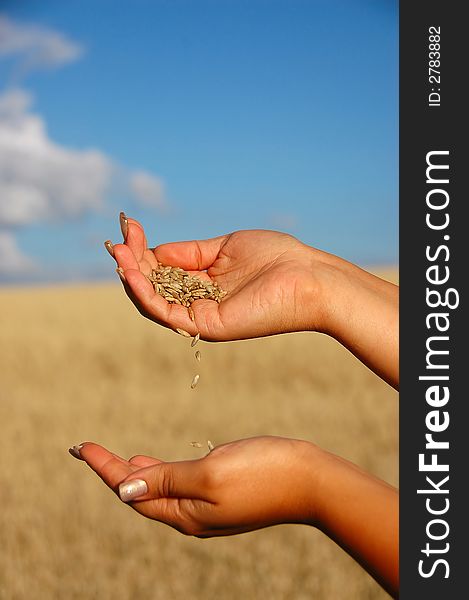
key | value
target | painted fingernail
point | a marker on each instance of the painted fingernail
(109, 247)
(120, 272)
(132, 489)
(75, 451)
(124, 224)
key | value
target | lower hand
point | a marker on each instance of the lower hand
(238, 487)
(254, 483)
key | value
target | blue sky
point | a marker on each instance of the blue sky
(198, 118)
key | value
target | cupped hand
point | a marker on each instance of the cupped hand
(273, 282)
(254, 483)
(238, 487)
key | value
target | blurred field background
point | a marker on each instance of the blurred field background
(79, 363)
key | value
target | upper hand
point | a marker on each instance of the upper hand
(272, 279)
(275, 284)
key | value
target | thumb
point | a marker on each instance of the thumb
(164, 480)
(196, 255)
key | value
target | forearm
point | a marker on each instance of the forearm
(356, 510)
(360, 513)
(361, 311)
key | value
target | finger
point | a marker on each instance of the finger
(143, 461)
(142, 293)
(126, 261)
(110, 467)
(109, 247)
(149, 258)
(165, 480)
(127, 289)
(135, 239)
(125, 257)
(196, 255)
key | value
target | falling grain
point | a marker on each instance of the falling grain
(177, 286)
(198, 355)
(210, 445)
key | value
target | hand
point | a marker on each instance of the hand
(238, 487)
(258, 482)
(272, 279)
(275, 284)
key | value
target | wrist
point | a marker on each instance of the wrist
(306, 487)
(326, 291)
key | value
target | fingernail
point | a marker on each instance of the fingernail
(109, 247)
(120, 272)
(124, 224)
(132, 489)
(75, 451)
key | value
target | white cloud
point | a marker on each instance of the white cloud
(148, 189)
(12, 260)
(13, 104)
(36, 47)
(40, 179)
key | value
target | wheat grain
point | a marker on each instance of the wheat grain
(179, 287)
(195, 381)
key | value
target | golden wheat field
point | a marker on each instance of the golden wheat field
(79, 363)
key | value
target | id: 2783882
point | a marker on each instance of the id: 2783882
(434, 62)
